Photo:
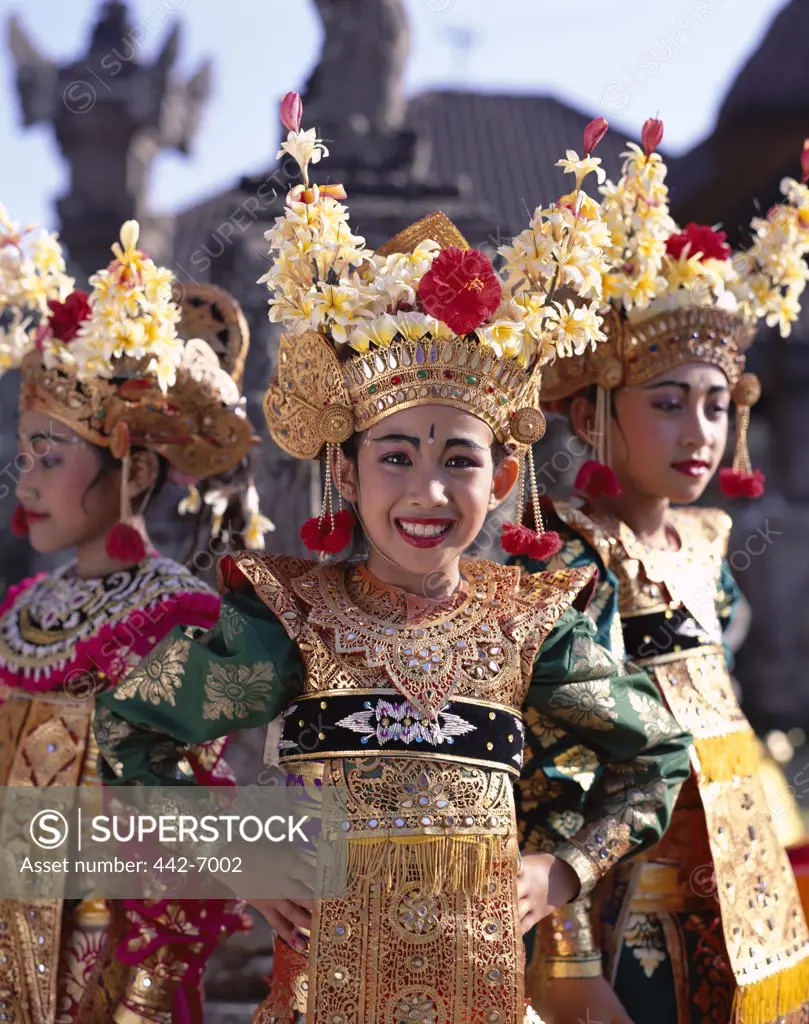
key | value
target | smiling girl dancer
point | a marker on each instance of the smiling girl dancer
(707, 926)
(415, 373)
(112, 403)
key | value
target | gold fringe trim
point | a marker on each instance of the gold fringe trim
(772, 998)
(721, 758)
(440, 863)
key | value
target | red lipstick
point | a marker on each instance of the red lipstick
(423, 532)
(692, 467)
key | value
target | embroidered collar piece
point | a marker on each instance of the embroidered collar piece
(40, 631)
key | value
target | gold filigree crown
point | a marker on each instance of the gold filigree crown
(423, 320)
(637, 352)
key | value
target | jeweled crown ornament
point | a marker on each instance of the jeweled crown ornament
(423, 320)
(681, 295)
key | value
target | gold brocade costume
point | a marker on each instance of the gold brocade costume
(413, 709)
(439, 831)
(62, 640)
(721, 859)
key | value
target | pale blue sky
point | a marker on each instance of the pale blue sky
(669, 58)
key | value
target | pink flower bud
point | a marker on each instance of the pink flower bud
(805, 162)
(652, 135)
(594, 133)
(291, 112)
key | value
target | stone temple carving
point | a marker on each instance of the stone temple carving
(358, 102)
(137, 109)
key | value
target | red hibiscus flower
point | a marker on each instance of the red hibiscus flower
(66, 316)
(703, 241)
(461, 289)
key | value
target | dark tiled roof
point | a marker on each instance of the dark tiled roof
(777, 74)
(506, 146)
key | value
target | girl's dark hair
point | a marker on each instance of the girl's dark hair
(235, 484)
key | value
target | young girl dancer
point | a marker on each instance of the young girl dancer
(707, 925)
(414, 372)
(112, 403)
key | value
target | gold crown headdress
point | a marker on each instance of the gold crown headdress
(213, 315)
(111, 366)
(682, 295)
(423, 320)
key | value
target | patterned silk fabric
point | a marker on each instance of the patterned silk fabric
(719, 879)
(428, 928)
(63, 639)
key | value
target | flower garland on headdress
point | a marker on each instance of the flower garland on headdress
(679, 294)
(129, 315)
(32, 277)
(358, 322)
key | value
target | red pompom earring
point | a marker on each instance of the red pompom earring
(123, 542)
(330, 532)
(596, 478)
(742, 481)
(518, 539)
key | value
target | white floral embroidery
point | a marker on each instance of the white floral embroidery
(402, 722)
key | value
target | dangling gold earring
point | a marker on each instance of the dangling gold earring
(124, 543)
(596, 478)
(518, 539)
(742, 481)
(330, 532)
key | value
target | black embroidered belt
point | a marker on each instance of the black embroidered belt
(661, 634)
(380, 723)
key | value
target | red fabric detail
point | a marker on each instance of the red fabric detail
(522, 540)
(203, 930)
(461, 289)
(741, 485)
(594, 133)
(329, 534)
(66, 317)
(125, 544)
(19, 522)
(799, 858)
(651, 134)
(13, 593)
(701, 240)
(597, 480)
(231, 576)
(117, 646)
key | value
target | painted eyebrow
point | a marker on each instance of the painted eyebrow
(42, 436)
(398, 437)
(463, 442)
(683, 386)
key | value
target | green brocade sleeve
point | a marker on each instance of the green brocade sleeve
(195, 687)
(638, 754)
(604, 761)
(728, 598)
